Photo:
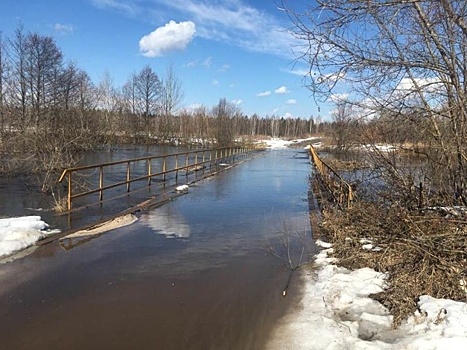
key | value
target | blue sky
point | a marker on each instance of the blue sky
(233, 49)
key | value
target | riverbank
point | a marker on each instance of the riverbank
(337, 312)
(373, 287)
(329, 293)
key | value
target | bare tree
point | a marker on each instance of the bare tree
(224, 113)
(129, 94)
(44, 62)
(202, 126)
(171, 92)
(108, 104)
(69, 86)
(3, 70)
(131, 105)
(342, 126)
(86, 102)
(148, 90)
(405, 58)
(19, 93)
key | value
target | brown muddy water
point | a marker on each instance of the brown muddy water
(193, 274)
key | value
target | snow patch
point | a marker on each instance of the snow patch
(182, 188)
(276, 143)
(21, 232)
(380, 147)
(336, 312)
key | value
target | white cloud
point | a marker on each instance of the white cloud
(224, 68)
(281, 90)
(236, 23)
(231, 21)
(125, 6)
(193, 108)
(330, 78)
(413, 85)
(300, 72)
(63, 28)
(288, 115)
(264, 93)
(207, 62)
(215, 82)
(171, 37)
(237, 102)
(192, 64)
(410, 91)
(291, 101)
(339, 97)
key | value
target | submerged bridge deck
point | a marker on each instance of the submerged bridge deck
(92, 194)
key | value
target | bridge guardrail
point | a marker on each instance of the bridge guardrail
(189, 162)
(338, 187)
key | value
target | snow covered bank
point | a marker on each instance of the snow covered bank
(21, 232)
(276, 143)
(336, 313)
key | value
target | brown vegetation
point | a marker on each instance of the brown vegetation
(422, 249)
(421, 252)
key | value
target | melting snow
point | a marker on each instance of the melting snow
(337, 313)
(21, 232)
(182, 188)
(278, 143)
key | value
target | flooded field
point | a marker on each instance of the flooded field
(195, 273)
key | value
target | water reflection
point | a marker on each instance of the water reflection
(167, 221)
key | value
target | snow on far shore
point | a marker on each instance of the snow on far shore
(275, 143)
(21, 232)
(337, 313)
(380, 147)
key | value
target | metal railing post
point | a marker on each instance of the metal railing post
(101, 182)
(128, 176)
(69, 192)
(149, 171)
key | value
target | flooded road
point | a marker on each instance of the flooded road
(193, 274)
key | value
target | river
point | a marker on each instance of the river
(196, 273)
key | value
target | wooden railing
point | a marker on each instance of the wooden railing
(154, 167)
(338, 187)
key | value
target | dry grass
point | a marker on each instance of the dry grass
(60, 203)
(421, 253)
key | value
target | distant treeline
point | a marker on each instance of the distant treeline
(50, 110)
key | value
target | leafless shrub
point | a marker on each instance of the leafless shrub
(291, 244)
